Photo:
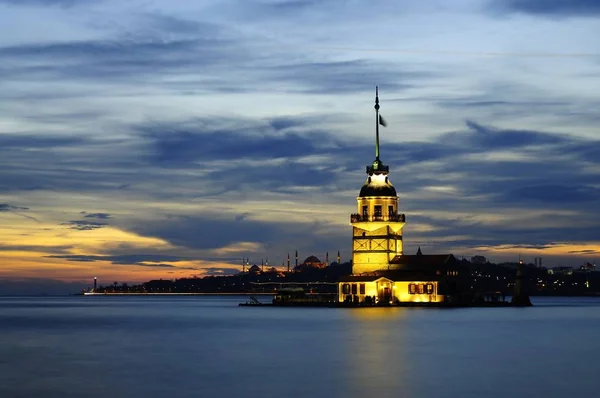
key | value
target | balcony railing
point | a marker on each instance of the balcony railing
(380, 169)
(387, 217)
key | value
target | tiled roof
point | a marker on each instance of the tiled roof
(410, 261)
(360, 278)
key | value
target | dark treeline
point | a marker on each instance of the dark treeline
(484, 276)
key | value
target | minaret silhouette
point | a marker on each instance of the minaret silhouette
(339, 259)
(521, 298)
(288, 263)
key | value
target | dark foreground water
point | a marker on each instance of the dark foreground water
(209, 347)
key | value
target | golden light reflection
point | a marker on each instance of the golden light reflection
(376, 358)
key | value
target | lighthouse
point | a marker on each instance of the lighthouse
(377, 225)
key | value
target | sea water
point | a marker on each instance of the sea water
(209, 347)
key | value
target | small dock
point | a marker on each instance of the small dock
(253, 302)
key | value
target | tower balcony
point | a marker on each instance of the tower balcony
(369, 218)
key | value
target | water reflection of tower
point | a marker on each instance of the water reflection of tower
(378, 351)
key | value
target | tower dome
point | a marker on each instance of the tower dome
(377, 185)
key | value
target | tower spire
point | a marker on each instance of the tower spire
(376, 123)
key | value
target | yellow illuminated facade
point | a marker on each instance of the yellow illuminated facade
(381, 290)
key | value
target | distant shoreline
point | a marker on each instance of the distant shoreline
(175, 294)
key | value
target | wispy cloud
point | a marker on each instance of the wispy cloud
(552, 8)
(99, 216)
(61, 3)
(142, 260)
(82, 225)
(18, 210)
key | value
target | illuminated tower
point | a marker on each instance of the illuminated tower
(377, 227)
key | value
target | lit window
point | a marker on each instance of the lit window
(354, 289)
(362, 288)
(429, 287)
(391, 210)
(411, 288)
(377, 211)
(365, 211)
(421, 288)
(345, 288)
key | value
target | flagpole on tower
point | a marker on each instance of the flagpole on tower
(376, 123)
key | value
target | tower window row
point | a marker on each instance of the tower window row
(377, 211)
(420, 288)
(354, 288)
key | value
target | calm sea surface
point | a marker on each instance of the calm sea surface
(210, 347)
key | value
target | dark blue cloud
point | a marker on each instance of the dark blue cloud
(347, 76)
(177, 146)
(551, 8)
(511, 234)
(64, 249)
(291, 6)
(12, 142)
(585, 252)
(5, 207)
(203, 233)
(103, 60)
(209, 231)
(557, 194)
(82, 225)
(18, 210)
(143, 260)
(99, 216)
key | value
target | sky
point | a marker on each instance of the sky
(166, 139)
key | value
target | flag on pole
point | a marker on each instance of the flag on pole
(382, 121)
